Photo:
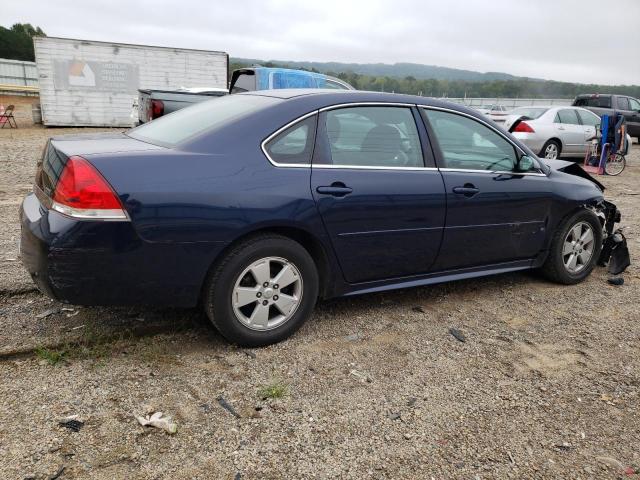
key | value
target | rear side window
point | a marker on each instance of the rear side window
(177, 127)
(568, 117)
(293, 146)
(373, 137)
(467, 144)
(623, 103)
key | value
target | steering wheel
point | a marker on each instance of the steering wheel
(403, 159)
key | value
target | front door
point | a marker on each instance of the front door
(495, 213)
(383, 207)
(570, 131)
(590, 124)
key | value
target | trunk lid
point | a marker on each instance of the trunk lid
(59, 149)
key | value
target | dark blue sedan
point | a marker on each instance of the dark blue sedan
(255, 205)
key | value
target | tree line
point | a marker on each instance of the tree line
(16, 43)
(512, 88)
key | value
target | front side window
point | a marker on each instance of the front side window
(469, 144)
(293, 146)
(373, 137)
(588, 118)
(635, 104)
(568, 117)
(246, 82)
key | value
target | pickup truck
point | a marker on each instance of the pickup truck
(607, 104)
(155, 103)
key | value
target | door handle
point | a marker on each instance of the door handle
(561, 128)
(468, 190)
(336, 189)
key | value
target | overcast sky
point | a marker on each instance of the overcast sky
(571, 40)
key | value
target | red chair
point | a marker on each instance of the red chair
(8, 118)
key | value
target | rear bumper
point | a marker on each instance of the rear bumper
(106, 263)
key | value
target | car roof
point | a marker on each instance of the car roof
(332, 96)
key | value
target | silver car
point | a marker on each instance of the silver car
(497, 113)
(552, 132)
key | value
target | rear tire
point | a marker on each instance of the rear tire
(551, 150)
(574, 249)
(262, 291)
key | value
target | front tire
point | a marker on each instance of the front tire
(262, 291)
(574, 249)
(551, 150)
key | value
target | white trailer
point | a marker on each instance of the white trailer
(88, 83)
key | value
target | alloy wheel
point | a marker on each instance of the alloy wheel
(551, 152)
(267, 293)
(577, 248)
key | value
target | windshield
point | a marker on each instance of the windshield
(184, 124)
(530, 112)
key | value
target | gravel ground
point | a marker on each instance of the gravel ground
(546, 384)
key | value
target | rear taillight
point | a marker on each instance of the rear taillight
(524, 127)
(81, 192)
(157, 109)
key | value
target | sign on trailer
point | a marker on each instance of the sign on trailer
(88, 83)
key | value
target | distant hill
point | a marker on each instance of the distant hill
(399, 70)
(433, 81)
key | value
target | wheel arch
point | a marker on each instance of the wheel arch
(553, 139)
(309, 242)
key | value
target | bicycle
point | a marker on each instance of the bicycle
(614, 163)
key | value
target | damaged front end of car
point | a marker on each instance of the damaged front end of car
(615, 252)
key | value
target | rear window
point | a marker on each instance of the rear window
(177, 127)
(529, 112)
(598, 102)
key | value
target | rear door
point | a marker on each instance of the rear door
(495, 214)
(376, 187)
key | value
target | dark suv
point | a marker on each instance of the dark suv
(613, 104)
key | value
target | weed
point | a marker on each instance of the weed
(274, 390)
(52, 356)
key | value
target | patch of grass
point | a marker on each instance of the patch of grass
(274, 390)
(92, 345)
(53, 357)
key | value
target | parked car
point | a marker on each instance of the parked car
(155, 103)
(497, 113)
(606, 104)
(552, 132)
(217, 205)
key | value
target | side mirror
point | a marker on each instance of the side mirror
(525, 163)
